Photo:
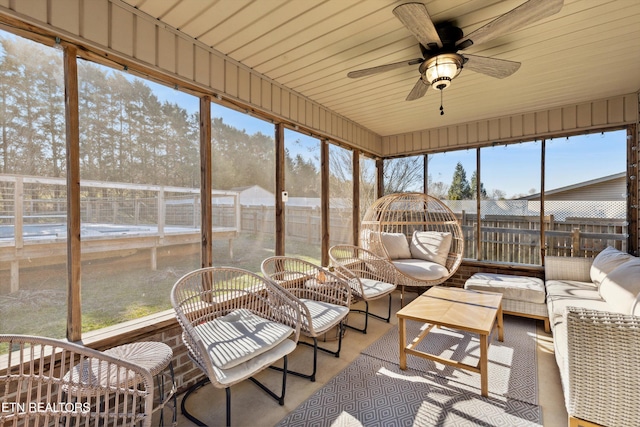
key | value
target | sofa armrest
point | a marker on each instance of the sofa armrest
(567, 268)
(603, 385)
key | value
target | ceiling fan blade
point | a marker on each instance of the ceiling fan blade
(418, 91)
(415, 17)
(526, 13)
(381, 68)
(494, 67)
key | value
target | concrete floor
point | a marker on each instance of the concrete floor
(252, 407)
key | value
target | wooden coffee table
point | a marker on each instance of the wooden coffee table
(465, 310)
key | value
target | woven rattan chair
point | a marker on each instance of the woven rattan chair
(409, 213)
(601, 386)
(369, 276)
(235, 324)
(323, 298)
(49, 382)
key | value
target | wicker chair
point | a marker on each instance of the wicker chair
(235, 324)
(369, 276)
(323, 299)
(44, 381)
(409, 213)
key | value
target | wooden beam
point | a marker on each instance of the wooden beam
(379, 178)
(74, 319)
(479, 221)
(543, 248)
(324, 201)
(425, 173)
(206, 217)
(355, 215)
(280, 187)
(633, 184)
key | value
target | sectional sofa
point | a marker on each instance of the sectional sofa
(594, 312)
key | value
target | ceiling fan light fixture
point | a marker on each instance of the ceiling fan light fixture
(442, 69)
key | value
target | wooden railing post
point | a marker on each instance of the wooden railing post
(575, 242)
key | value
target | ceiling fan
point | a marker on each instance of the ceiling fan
(440, 44)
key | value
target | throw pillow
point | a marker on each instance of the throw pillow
(621, 287)
(431, 246)
(396, 245)
(607, 261)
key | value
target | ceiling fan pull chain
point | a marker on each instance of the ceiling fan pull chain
(441, 107)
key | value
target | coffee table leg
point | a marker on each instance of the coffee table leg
(484, 364)
(403, 340)
(500, 324)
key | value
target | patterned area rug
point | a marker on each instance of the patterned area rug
(373, 391)
(512, 363)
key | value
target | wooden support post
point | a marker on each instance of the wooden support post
(154, 258)
(15, 276)
(379, 178)
(74, 320)
(324, 202)
(355, 204)
(18, 212)
(161, 213)
(280, 187)
(479, 254)
(575, 242)
(206, 215)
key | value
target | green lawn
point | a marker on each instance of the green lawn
(123, 288)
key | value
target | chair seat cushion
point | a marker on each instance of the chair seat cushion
(239, 336)
(324, 315)
(252, 366)
(375, 288)
(421, 269)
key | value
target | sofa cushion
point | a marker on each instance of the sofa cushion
(566, 293)
(421, 269)
(557, 308)
(621, 287)
(567, 268)
(607, 261)
(431, 246)
(396, 245)
(518, 288)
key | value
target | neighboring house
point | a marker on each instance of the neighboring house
(254, 195)
(611, 187)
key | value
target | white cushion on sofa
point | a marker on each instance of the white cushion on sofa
(420, 269)
(621, 287)
(239, 336)
(396, 245)
(431, 246)
(607, 261)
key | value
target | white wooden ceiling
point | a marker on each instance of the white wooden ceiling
(588, 51)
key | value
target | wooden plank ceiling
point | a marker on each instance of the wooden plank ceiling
(588, 51)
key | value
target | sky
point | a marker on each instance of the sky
(513, 169)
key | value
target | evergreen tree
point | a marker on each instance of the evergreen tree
(459, 189)
(483, 192)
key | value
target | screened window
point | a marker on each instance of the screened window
(243, 201)
(451, 178)
(509, 213)
(302, 183)
(340, 195)
(33, 197)
(140, 197)
(585, 199)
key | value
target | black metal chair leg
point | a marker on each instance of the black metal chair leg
(367, 314)
(183, 407)
(336, 353)
(202, 382)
